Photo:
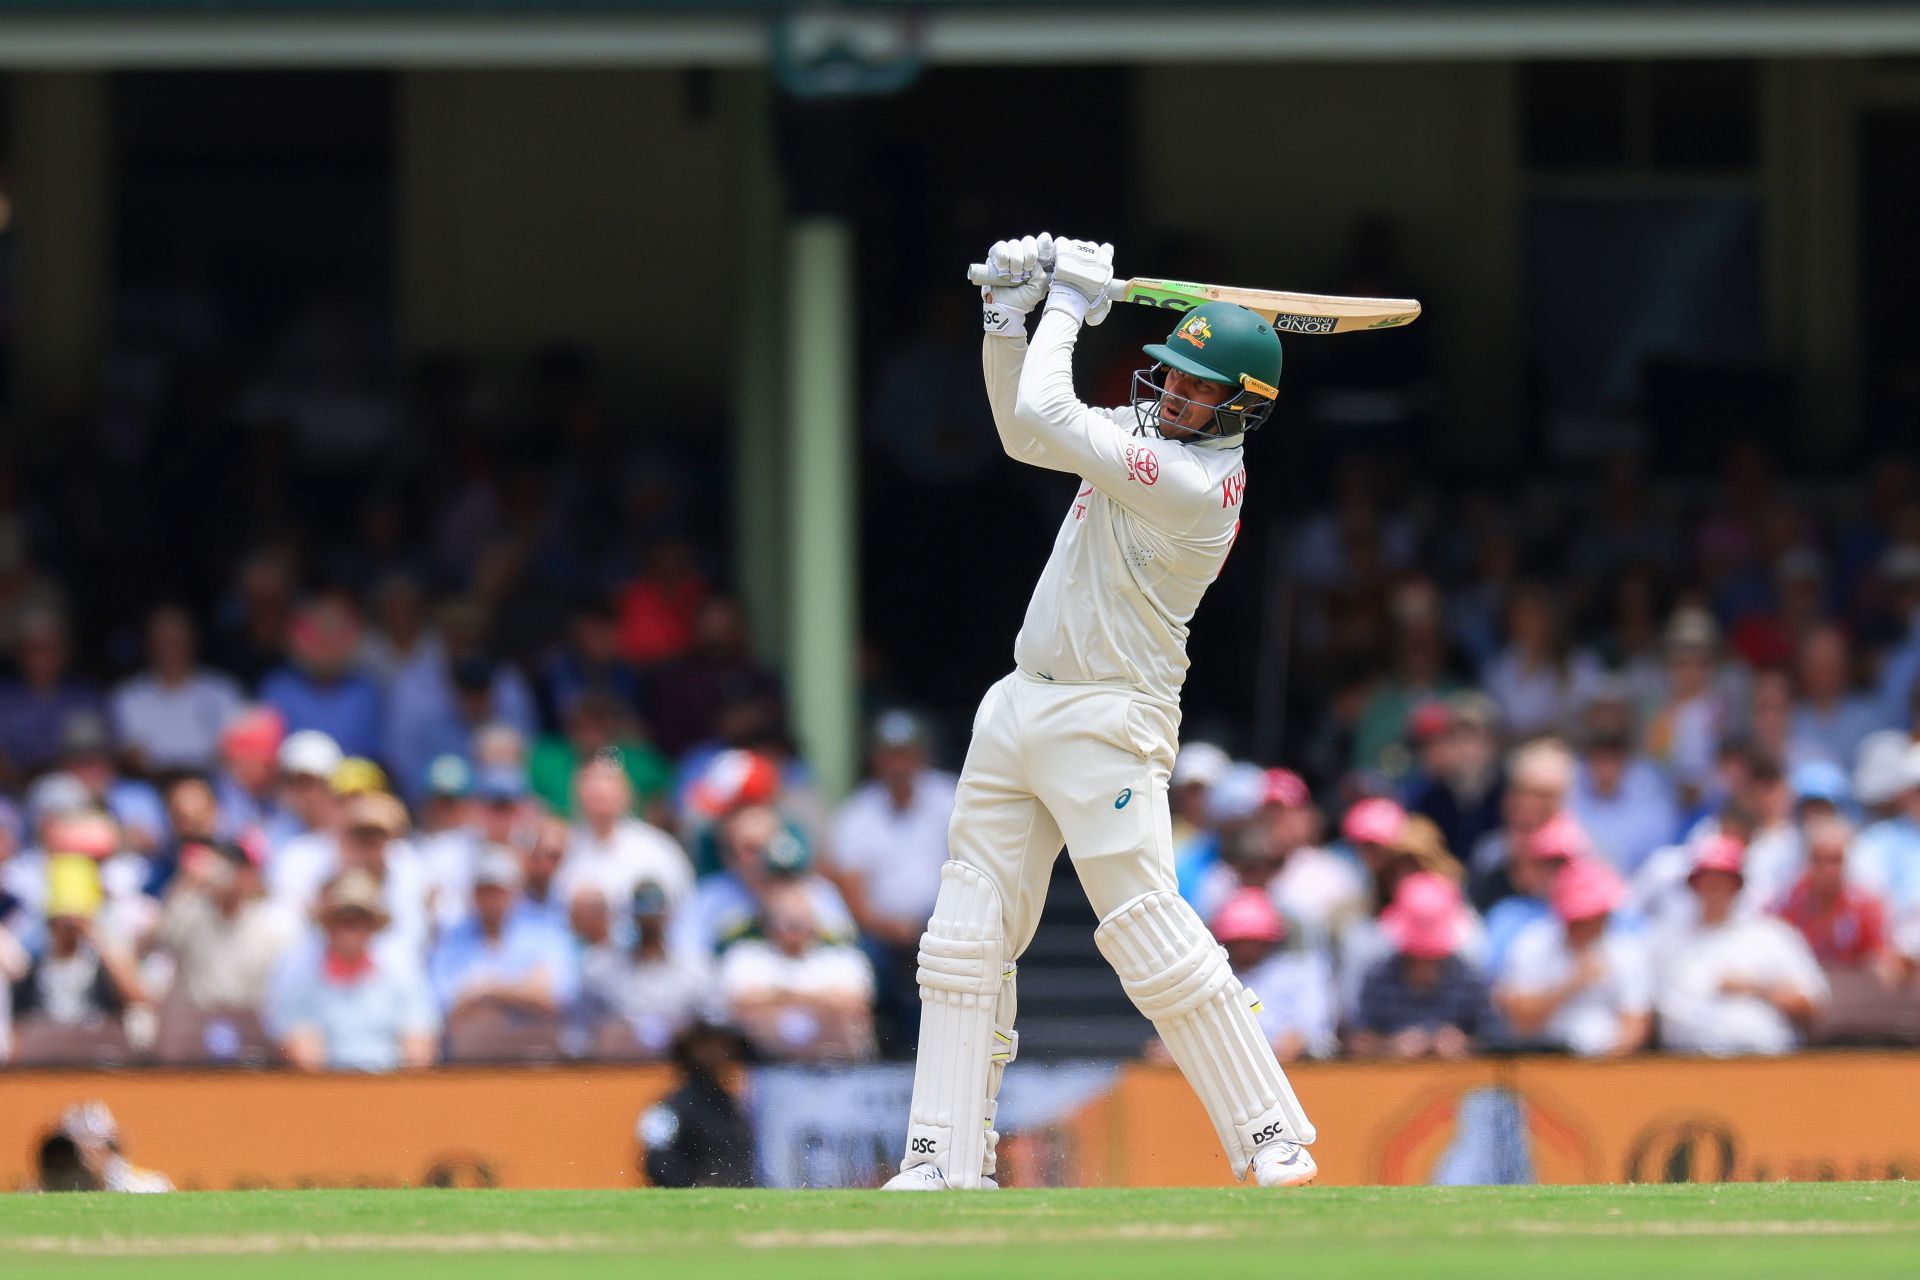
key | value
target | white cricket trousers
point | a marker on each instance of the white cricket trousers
(1085, 765)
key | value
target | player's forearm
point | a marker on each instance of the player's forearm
(1001, 359)
(1046, 410)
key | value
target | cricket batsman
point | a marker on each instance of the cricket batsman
(1076, 745)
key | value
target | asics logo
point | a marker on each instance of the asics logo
(1121, 801)
(1274, 1130)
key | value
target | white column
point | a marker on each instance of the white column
(822, 492)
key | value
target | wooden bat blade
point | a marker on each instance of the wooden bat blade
(1287, 312)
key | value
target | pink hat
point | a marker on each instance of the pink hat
(1719, 853)
(1249, 916)
(1585, 888)
(1285, 788)
(256, 732)
(1425, 918)
(1374, 821)
(1559, 837)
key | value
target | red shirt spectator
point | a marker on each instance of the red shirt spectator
(656, 613)
(1846, 927)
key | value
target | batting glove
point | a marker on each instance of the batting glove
(1082, 270)
(1004, 307)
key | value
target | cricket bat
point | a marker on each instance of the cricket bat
(1286, 312)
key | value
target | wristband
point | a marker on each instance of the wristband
(1002, 320)
(1070, 300)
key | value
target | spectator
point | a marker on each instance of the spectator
(429, 712)
(612, 849)
(308, 761)
(477, 692)
(371, 840)
(1538, 680)
(1620, 799)
(255, 617)
(1844, 926)
(793, 985)
(499, 958)
(646, 990)
(1900, 668)
(1461, 788)
(1775, 853)
(545, 845)
(596, 721)
(717, 671)
(759, 851)
(1232, 800)
(1829, 714)
(35, 705)
(1533, 874)
(82, 979)
(658, 614)
(246, 786)
(1418, 675)
(1315, 887)
(225, 938)
(171, 715)
(449, 840)
(1198, 767)
(401, 645)
(889, 842)
(697, 1136)
(1732, 983)
(1886, 861)
(322, 689)
(1694, 714)
(193, 817)
(87, 753)
(344, 1004)
(589, 662)
(1580, 982)
(1424, 1001)
(1294, 986)
(1539, 777)
(1362, 943)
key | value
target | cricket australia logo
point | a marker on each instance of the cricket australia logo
(1196, 330)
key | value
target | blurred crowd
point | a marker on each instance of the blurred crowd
(378, 855)
(355, 725)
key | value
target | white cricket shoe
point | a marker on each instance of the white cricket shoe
(1284, 1164)
(927, 1177)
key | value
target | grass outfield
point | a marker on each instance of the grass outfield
(1868, 1229)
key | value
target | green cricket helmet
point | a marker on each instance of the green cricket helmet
(1219, 342)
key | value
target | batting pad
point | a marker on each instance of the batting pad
(1177, 975)
(963, 963)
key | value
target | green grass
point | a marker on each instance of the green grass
(1849, 1230)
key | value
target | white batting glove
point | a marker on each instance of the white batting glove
(1082, 270)
(1004, 307)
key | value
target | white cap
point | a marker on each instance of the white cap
(1237, 794)
(1200, 762)
(1882, 766)
(310, 752)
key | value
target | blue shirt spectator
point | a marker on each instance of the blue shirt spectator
(1623, 804)
(435, 710)
(35, 707)
(345, 1005)
(502, 955)
(322, 689)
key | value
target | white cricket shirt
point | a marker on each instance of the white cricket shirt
(1144, 537)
